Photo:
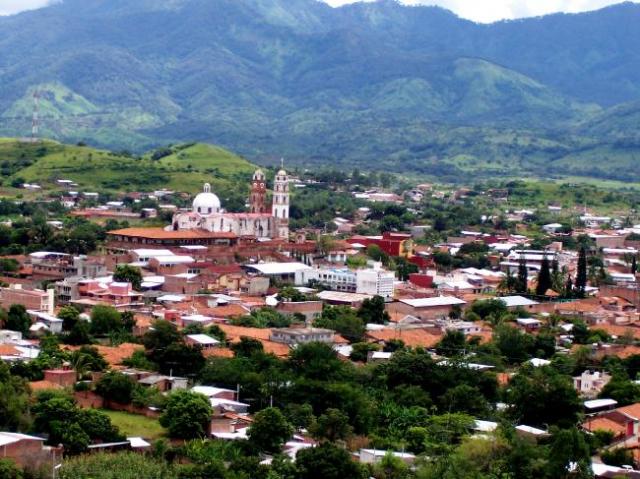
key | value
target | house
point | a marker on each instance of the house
(203, 341)
(552, 228)
(27, 451)
(353, 300)
(529, 324)
(33, 299)
(374, 456)
(294, 336)
(51, 323)
(311, 310)
(164, 383)
(517, 302)
(465, 327)
(425, 308)
(531, 432)
(590, 383)
(283, 272)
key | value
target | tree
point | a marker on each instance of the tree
(124, 465)
(344, 320)
(327, 461)
(69, 316)
(14, 401)
(105, 320)
(523, 275)
(452, 344)
(9, 470)
(331, 426)
(187, 415)
(489, 307)
(18, 319)
(634, 264)
(316, 361)
(97, 425)
(617, 457)
(115, 386)
(269, 430)
(466, 399)
(569, 455)
(87, 359)
(532, 390)
(373, 311)
(513, 344)
(391, 467)
(568, 288)
(404, 268)
(247, 347)
(544, 278)
(622, 390)
(179, 359)
(79, 334)
(581, 275)
(360, 351)
(161, 335)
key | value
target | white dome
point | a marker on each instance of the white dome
(206, 203)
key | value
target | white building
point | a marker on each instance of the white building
(372, 281)
(590, 383)
(376, 282)
(207, 213)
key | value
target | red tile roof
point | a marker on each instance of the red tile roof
(410, 337)
(159, 233)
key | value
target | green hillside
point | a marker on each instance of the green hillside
(181, 167)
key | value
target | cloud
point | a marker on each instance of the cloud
(9, 7)
(486, 11)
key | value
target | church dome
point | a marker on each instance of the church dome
(258, 175)
(206, 203)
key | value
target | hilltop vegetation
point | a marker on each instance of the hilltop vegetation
(409, 88)
(181, 167)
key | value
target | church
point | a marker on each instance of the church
(261, 221)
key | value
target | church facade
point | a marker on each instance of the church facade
(260, 221)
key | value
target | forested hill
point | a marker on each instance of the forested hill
(412, 87)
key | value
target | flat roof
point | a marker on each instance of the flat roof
(433, 302)
(279, 268)
(531, 430)
(514, 301)
(342, 297)
(203, 339)
(160, 234)
(210, 390)
(598, 403)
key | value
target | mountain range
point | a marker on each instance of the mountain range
(397, 87)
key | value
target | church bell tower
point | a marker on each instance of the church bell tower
(258, 196)
(280, 208)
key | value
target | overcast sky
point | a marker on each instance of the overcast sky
(477, 10)
(494, 10)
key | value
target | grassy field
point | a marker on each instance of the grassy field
(183, 168)
(136, 425)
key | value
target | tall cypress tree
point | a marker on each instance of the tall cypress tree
(581, 275)
(544, 278)
(634, 265)
(568, 288)
(523, 275)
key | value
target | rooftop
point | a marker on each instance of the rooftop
(161, 234)
(433, 302)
